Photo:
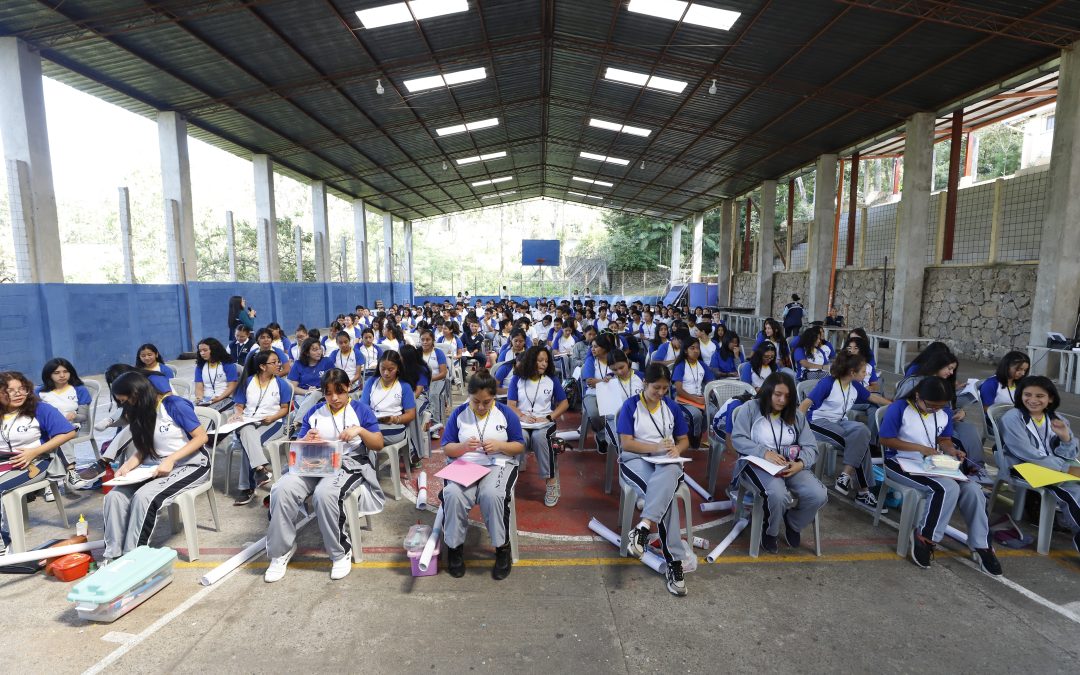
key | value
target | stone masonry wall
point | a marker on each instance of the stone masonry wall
(858, 298)
(744, 290)
(784, 284)
(985, 311)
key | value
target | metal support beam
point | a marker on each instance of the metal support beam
(955, 146)
(853, 205)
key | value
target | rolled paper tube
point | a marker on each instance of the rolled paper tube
(421, 480)
(696, 487)
(421, 499)
(432, 542)
(719, 550)
(653, 561)
(716, 506)
(250, 551)
(956, 534)
(45, 553)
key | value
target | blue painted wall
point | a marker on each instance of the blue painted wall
(647, 299)
(96, 325)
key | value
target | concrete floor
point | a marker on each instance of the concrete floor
(570, 603)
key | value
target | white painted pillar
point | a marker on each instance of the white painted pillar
(819, 259)
(409, 251)
(1057, 289)
(266, 219)
(24, 130)
(360, 235)
(765, 249)
(127, 262)
(699, 242)
(676, 251)
(388, 246)
(298, 243)
(176, 186)
(230, 238)
(910, 256)
(723, 266)
(322, 231)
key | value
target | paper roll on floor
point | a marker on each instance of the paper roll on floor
(44, 553)
(716, 506)
(654, 562)
(432, 542)
(250, 551)
(696, 487)
(722, 546)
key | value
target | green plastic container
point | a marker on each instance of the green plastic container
(124, 584)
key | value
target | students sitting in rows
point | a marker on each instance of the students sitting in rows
(301, 334)
(562, 346)
(488, 433)
(335, 418)
(858, 345)
(347, 356)
(149, 358)
(728, 357)
(918, 426)
(416, 374)
(264, 398)
(871, 358)
(264, 340)
(281, 341)
(1033, 431)
(472, 341)
(928, 351)
(630, 384)
(668, 351)
(392, 337)
(773, 428)
(650, 424)
(215, 376)
(537, 397)
(827, 407)
(62, 388)
(762, 363)
(306, 376)
(450, 335)
(168, 437)
(368, 353)
(690, 375)
(391, 398)
(1001, 386)
(774, 332)
(241, 344)
(593, 372)
(438, 391)
(943, 365)
(811, 359)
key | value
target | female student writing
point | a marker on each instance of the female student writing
(168, 437)
(262, 397)
(650, 425)
(149, 358)
(919, 426)
(62, 388)
(30, 430)
(488, 433)
(215, 375)
(335, 418)
(594, 371)
(690, 376)
(630, 385)
(1033, 431)
(943, 365)
(390, 398)
(771, 427)
(827, 407)
(538, 399)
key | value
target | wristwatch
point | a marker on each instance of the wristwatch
(549, 418)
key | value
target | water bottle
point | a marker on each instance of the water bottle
(81, 527)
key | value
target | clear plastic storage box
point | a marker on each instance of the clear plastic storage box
(124, 584)
(315, 458)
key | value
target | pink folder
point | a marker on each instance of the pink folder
(463, 473)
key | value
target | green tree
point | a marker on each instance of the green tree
(212, 251)
(1000, 147)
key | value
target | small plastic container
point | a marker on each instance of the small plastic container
(72, 566)
(414, 558)
(315, 458)
(124, 584)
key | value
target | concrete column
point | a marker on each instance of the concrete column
(360, 235)
(676, 251)
(322, 231)
(298, 243)
(176, 186)
(1057, 289)
(230, 239)
(765, 249)
(409, 252)
(820, 255)
(128, 260)
(723, 266)
(699, 243)
(26, 141)
(910, 256)
(266, 219)
(388, 246)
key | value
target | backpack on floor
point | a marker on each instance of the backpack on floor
(573, 394)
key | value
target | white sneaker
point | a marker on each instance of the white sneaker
(276, 570)
(49, 496)
(342, 566)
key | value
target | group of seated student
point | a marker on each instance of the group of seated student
(374, 385)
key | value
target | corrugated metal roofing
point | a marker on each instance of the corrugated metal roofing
(295, 79)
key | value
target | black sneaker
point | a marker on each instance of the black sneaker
(988, 561)
(601, 447)
(791, 535)
(263, 477)
(503, 562)
(922, 552)
(676, 583)
(769, 543)
(244, 497)
(455, 561)
(639, 542)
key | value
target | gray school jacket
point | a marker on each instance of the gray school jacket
(1021, 445)
(749, 413)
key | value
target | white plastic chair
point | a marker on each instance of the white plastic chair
(393, 458)
(351, 504)
(183, 506)
(183, 388)
(628, 506)
(911, 503)
(86, 431)
(716, 392)
(1020, 487)
(18, 514)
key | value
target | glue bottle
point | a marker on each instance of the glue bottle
(81, 526)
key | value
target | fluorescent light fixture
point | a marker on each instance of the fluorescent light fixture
(641, 80)
(481, 158)
(501, 179)
(619, 128)
(399, 12)
(582, 194)
(500, 194)
(468, 126)
(602, 158)
(601, 183)
(449, 79)
(693, 13)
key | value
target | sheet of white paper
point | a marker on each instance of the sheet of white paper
(765, 464)
(664, 459)
(229, 427)
(139, 474)
(609, 398)
(916, 468)
(535, 425)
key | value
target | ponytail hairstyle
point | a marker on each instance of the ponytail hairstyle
(930, 389)
(482, 380)
(656, 372)
(846, 363)
(140, 410)
(414, 365)
(256, 362)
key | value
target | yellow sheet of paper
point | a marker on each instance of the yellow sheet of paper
(1040, 476)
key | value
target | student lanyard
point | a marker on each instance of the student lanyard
(1042, 436)
(6, 433)
(476, 420)
(213, 376)
(341, 363)
(389, 390)
(777, 442)
(931, 438)
(262, 391)
(653, 419)
(627, 390)
(333, 420)
(600, 368)
(844, 405)
(693, 373)
(369, 354)
(536, 394)
(1009, 392)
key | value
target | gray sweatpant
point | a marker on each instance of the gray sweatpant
(778, 491)
(942, 497)
(492, 493)
(438, 394)
(657, 483)
(538, 442)
(327, 494)
(251, 440)
(853, 439)
(131, 511)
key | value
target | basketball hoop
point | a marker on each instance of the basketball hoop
(540, 261)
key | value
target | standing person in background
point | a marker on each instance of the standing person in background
(504, 294)
(792, 316)
(241, 345)
(240, 313)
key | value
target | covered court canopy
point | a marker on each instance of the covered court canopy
(394, 113)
